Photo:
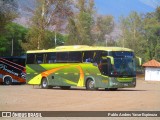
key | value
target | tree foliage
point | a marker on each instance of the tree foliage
(14, 35)
(103, 27)
(152, 35)
(80, 25)
(8, 12)
(142, 34)
(85, 27)
(132, 28)
(48, 15)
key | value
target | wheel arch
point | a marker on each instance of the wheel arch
(7, 76)
(43, 78)
(87, 78)
(48, 86)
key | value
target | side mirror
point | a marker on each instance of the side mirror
(111, 59)
(139, 60)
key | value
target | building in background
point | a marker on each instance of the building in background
(152, 70)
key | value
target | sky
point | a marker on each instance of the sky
(118, 8)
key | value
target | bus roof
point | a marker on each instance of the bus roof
(80, 48)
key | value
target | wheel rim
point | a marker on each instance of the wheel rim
(44, 84)
(7, 82)
(91, 84)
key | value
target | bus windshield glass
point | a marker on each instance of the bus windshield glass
(124, 64)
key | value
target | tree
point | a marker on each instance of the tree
(8, 12)
(132, 33)
(3, 42)
(73, 37)
(152, 35)
(48, 15)
(104, 26)
(12, 39)
(81, 24)
(157, 50)
(142, 34)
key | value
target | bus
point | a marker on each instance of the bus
(12, 70)
(82, 66)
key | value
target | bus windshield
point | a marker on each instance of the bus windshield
(124, 64)
(123, 67)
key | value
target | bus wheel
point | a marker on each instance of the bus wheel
(65, 87)
(44, 83)
(111, 89)
(7, 80)
(90, 84)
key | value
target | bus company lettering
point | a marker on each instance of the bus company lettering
(4, 67)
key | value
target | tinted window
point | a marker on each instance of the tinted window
(88, 56)
(50, 58)
(104, 53)
(19, 61)
(102, 61)
(39, 58)
(30, 58)
(119, 54)
(75, 57)
(100, 55)
(62, 57)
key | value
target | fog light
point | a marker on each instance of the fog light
(115, 84)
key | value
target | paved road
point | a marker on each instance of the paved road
(145, 97)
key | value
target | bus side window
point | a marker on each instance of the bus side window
(88, 56)
(62, 57)
(30, 58)
(97, 57)
(39, 58)
(75, 57)
(50, 58)
(103, 63)
(103, 66)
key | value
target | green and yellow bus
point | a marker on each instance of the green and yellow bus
(83, 66)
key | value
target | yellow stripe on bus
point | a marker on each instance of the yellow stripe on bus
(36, 80)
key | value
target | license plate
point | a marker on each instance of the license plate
(126, 84)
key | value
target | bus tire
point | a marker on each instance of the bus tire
(111, 89)
(44, 84)
(8, 80)
(90, 85)
(65, 87)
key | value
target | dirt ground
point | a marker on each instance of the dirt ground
(145, 97)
